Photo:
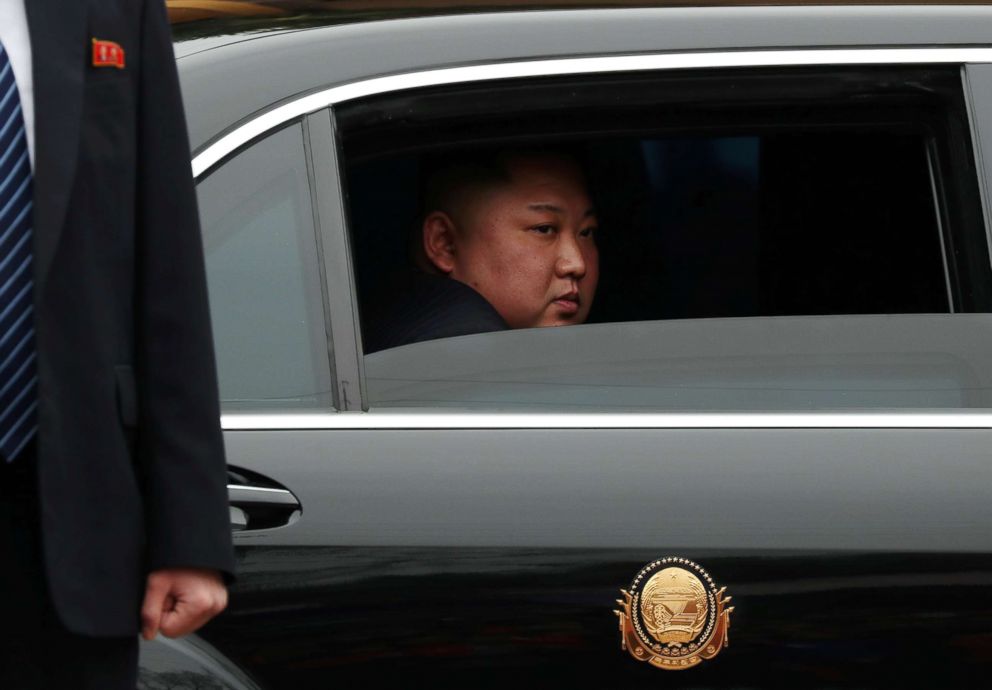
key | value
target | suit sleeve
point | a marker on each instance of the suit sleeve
(180, 446)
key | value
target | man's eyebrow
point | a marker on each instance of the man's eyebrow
(553, 208)
(546, 207)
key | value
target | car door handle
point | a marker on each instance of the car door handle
(257, 507)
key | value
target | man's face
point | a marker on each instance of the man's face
(528, 246)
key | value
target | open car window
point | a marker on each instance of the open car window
(806, 238)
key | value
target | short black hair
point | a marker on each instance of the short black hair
(447, 175)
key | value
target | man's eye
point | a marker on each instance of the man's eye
(544, 229)
(588, 232)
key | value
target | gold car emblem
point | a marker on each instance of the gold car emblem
(673, 615)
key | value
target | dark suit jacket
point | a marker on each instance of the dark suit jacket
(421, 306)
(130, 455)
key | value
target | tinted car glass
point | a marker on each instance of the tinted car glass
(780, 363)
(261, 257)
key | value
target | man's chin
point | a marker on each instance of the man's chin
(563, 320)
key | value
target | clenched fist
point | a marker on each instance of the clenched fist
(178, 601)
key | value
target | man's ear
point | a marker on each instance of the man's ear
(439, 241)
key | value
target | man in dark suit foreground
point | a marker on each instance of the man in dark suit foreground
(113, 510)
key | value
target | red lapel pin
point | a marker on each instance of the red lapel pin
(107, 54)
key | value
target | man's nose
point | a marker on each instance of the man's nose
(571, 261)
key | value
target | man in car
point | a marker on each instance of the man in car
(509, 238)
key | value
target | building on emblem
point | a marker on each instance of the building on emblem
(673, 616)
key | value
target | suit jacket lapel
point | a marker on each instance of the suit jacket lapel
(58, 54)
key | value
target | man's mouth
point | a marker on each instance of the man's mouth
(568, 302)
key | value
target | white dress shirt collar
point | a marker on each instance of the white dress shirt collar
(17, 43)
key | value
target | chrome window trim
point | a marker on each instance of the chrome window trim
(358, 421)
(303, 105)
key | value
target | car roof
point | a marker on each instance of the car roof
(192, 19)
(228, 78)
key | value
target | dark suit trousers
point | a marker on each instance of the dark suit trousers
(36, 651)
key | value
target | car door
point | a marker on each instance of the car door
(811, 431)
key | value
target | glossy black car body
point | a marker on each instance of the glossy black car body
(412, 515)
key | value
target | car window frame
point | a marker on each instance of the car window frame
(316, 111)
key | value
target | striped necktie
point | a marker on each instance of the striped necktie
(18, 379)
